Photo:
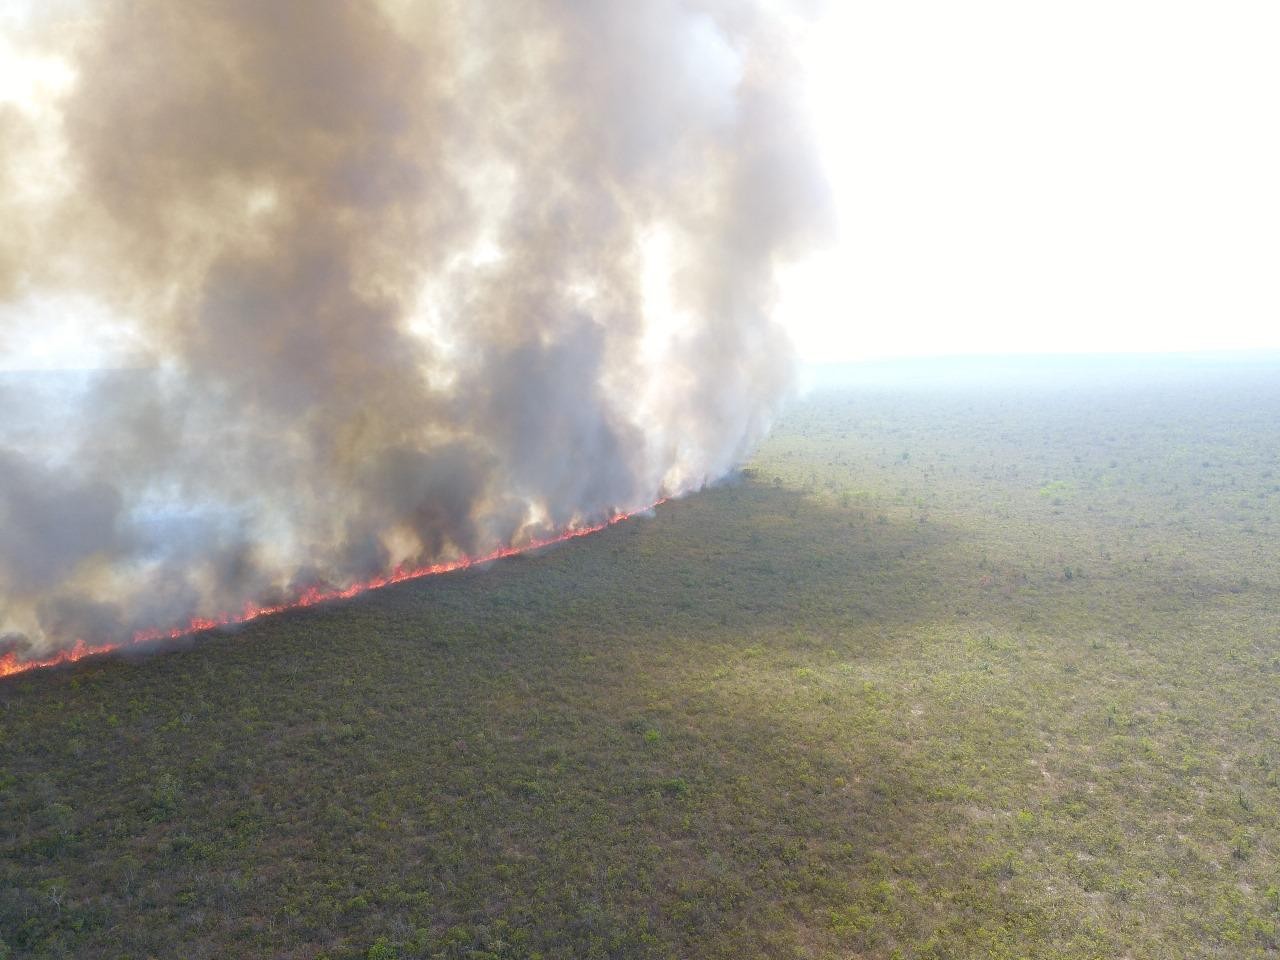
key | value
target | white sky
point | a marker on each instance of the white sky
(1025, 176)
(1011, 176)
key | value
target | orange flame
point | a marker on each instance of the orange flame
(10, 665)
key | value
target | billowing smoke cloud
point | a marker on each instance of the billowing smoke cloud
(402, 281)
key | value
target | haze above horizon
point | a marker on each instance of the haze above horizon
(1034, 178)
(1009, 178)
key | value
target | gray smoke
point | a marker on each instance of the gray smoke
(404, 280)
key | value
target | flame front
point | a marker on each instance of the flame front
(10, 665)
(292, 292)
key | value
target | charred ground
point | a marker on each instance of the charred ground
(948, 672)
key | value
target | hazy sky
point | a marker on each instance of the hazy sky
(1011, 176)
(1016, 175)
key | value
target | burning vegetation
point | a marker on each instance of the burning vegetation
(384, 288)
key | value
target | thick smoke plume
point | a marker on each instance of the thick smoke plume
(400, 281)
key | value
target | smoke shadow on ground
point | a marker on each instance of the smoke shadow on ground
(656, 741)
(740, 558)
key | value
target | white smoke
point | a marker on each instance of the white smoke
(391, 283)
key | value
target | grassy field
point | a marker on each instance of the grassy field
(973, 670)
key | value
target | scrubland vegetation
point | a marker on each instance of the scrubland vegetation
(950, 672)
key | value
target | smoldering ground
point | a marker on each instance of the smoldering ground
(399, 281)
